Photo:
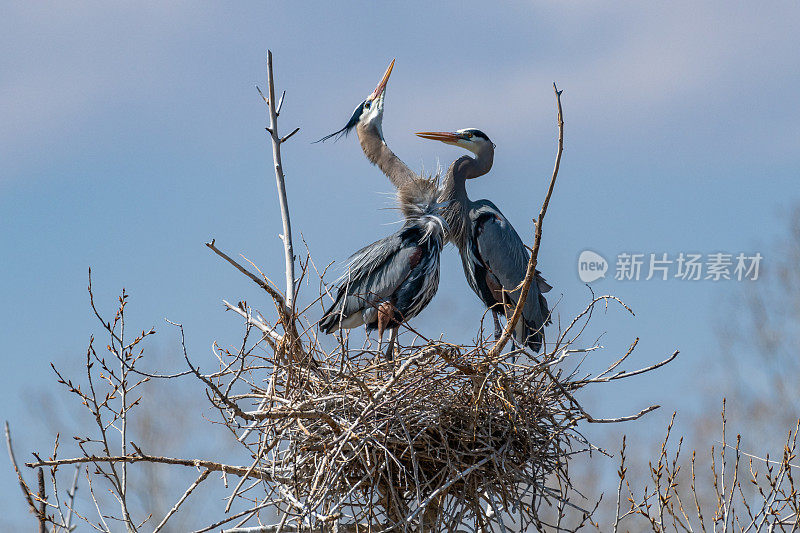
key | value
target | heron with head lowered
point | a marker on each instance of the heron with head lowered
(493, 255)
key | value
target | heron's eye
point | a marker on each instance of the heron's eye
(367, 104)
(468, 135)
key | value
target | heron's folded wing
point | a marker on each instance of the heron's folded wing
(506, 257)
(421, 284)
(502, 250)
(363, 262)
(375, 272)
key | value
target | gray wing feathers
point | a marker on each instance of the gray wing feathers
(366, 260)
(505, 255)
(503, 252)
(373, 274)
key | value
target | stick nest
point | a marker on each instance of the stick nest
(436, 437)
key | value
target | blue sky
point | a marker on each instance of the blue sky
(130, 135)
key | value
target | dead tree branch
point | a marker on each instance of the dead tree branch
(280, 179)
(532, 262)
(22, 484)
(142, 457)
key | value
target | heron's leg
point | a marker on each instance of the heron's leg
(498, 329)
(509, 312)
(367, 337)
(384, 315)
(390, 349)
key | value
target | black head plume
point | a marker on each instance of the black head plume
(349, 126)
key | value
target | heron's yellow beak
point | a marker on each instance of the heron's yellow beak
(382, 85)
(443, 136)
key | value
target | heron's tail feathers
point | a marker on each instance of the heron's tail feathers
(330, 320)
(530, 334)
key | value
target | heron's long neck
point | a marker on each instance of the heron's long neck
(379, 154)
(454, 191)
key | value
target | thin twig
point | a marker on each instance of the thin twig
(203, 475)
(71, 502)
(42, 502)
(147, 458)
(532, 262)
(22, 485)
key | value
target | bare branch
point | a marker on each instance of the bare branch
(141, 457)
(280, 104)
(638, 415)
(203, 475)
(281, 181)
(42, 504)
(71, 501)
(260, 282)
(532, 262)
(22, 485)
(254, 321)
(623, 375)
(225, 520)
(287, 137)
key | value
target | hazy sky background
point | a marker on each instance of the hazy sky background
(131, 134)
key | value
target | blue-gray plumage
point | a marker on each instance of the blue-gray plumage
(493, 256)
(393, 279)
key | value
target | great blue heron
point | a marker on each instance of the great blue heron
(367, 120)
(492, 253)
(392, 280)
(494, 258)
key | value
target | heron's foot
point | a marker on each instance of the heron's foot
(498, 328)
(390, 352)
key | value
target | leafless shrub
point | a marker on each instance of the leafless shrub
(758, 337)
(748, 493)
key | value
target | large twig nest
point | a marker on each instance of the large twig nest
(435, 429)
